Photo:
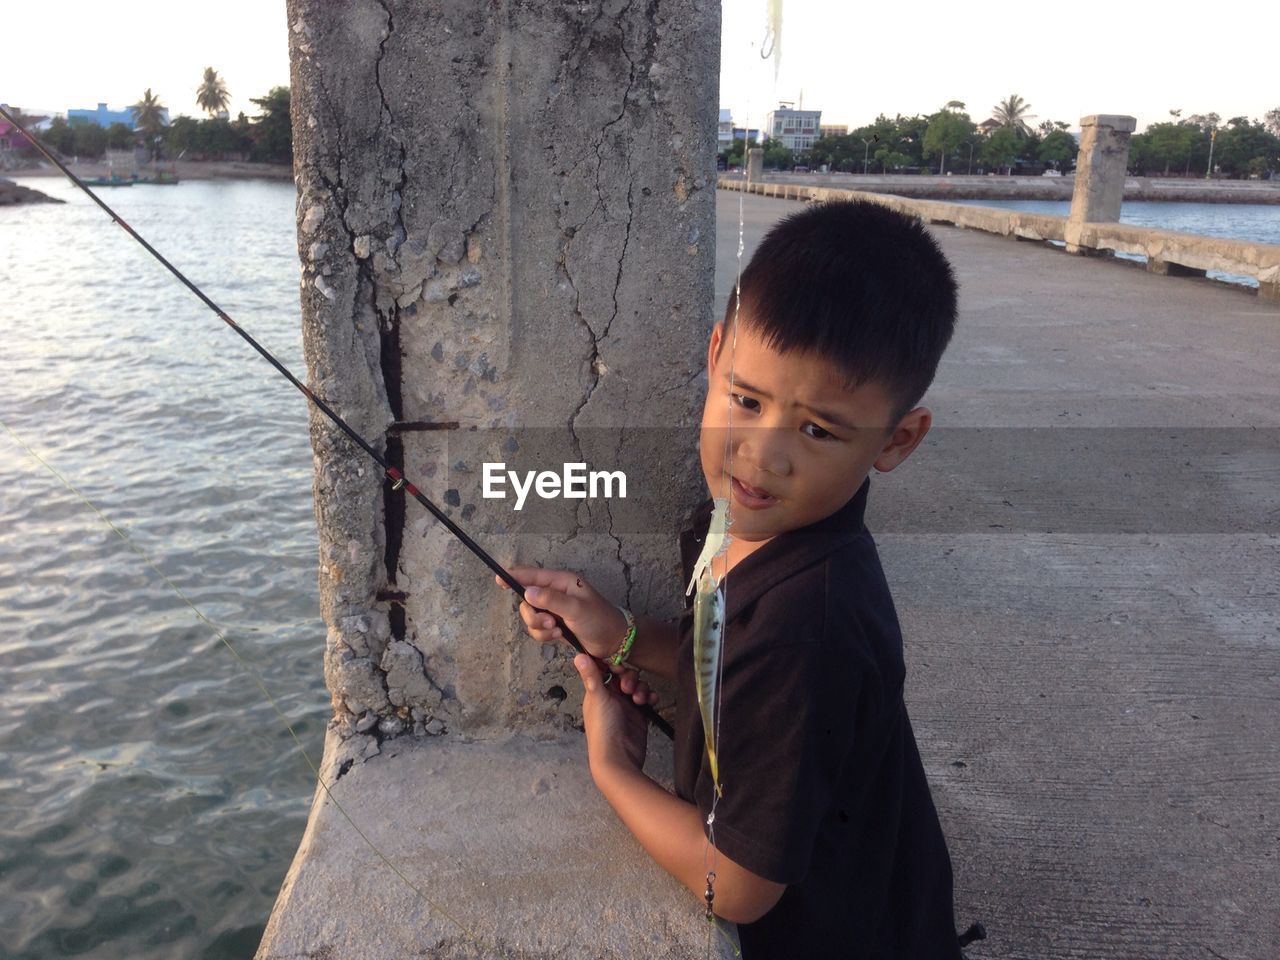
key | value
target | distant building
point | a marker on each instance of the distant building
(104, 118)
(796, 129)
(833, 130)
(749, 134)
(989, 126)
(10, 137)
(725, 136)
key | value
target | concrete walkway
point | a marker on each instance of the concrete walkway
(1086, 560)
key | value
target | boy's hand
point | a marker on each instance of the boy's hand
(596, 622)
(617, 733)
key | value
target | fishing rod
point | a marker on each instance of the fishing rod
(398, 479)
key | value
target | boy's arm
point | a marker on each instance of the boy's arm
(667, 827)
(655, 646)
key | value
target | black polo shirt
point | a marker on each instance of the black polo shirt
(824, 790)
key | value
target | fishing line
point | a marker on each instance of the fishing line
(253, 673)
(396, 476)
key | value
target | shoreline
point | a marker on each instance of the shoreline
(965, 187)
(185, 169)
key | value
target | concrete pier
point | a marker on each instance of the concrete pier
(1099, 180)
(1085, 554)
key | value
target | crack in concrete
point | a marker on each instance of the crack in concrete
(596, 340)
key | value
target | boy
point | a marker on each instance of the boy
(826, 840)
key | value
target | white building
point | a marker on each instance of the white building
(797, 129)
(726, 128)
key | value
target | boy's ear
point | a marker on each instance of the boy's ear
(713, 348)
(906, 436)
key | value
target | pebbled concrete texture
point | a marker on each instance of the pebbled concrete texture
(506, 216)
(500, 850)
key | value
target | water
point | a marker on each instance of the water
(1239, 221)
(150, 800)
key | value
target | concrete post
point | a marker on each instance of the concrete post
(1101, 167)
(755, 164)
(506, 217)
(506, 220)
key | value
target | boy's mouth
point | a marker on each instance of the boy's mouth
(749, 496)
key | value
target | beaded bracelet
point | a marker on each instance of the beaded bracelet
(624, 651)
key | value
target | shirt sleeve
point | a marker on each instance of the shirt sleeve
(786, 728)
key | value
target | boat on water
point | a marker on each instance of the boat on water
(115, 180)
(152, 177)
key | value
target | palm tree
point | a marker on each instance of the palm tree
(148, 115)
(212, 93)
(1013, 112)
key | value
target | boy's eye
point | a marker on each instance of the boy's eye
(815, 431)
(748, 403)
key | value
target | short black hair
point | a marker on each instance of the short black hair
(860, 285)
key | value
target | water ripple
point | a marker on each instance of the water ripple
(150, 801)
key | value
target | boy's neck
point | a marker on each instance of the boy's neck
(738, 551)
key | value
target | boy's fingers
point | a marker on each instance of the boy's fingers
(562, 581)
(554, 601)
(588, 671)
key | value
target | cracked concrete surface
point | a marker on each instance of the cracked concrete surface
(506, 222)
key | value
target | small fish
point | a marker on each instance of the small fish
(708, 628)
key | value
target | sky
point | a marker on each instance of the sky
(850, 60)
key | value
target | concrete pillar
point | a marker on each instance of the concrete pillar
(1167, 268)
(1269, 284)
(1101, 168)
(755, 164)
(506, 222)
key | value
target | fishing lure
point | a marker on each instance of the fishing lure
(708, 628)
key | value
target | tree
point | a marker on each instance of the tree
(60, 136)
(1272, 120)
(88, 140)
(1013, 112)
(1163, 145)
(735, 154)
(212, 93)
(119, 136)
(1247, 148)
(1204, 121)
(183, 136)
(944, 134)
(148, 115)
(839, 153)
(271, 130)
(1001, 148)
(890, 158)
(778, 156)
(1058, 148)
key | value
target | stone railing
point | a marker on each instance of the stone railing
(1167, 251)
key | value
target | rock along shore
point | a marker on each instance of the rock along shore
(12, 193)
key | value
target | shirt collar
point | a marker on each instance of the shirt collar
(783, 556)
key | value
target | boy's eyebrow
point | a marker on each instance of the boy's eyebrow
(822, 414)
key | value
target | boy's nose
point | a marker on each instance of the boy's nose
(766, 450)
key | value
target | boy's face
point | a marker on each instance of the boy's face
(801, 442)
